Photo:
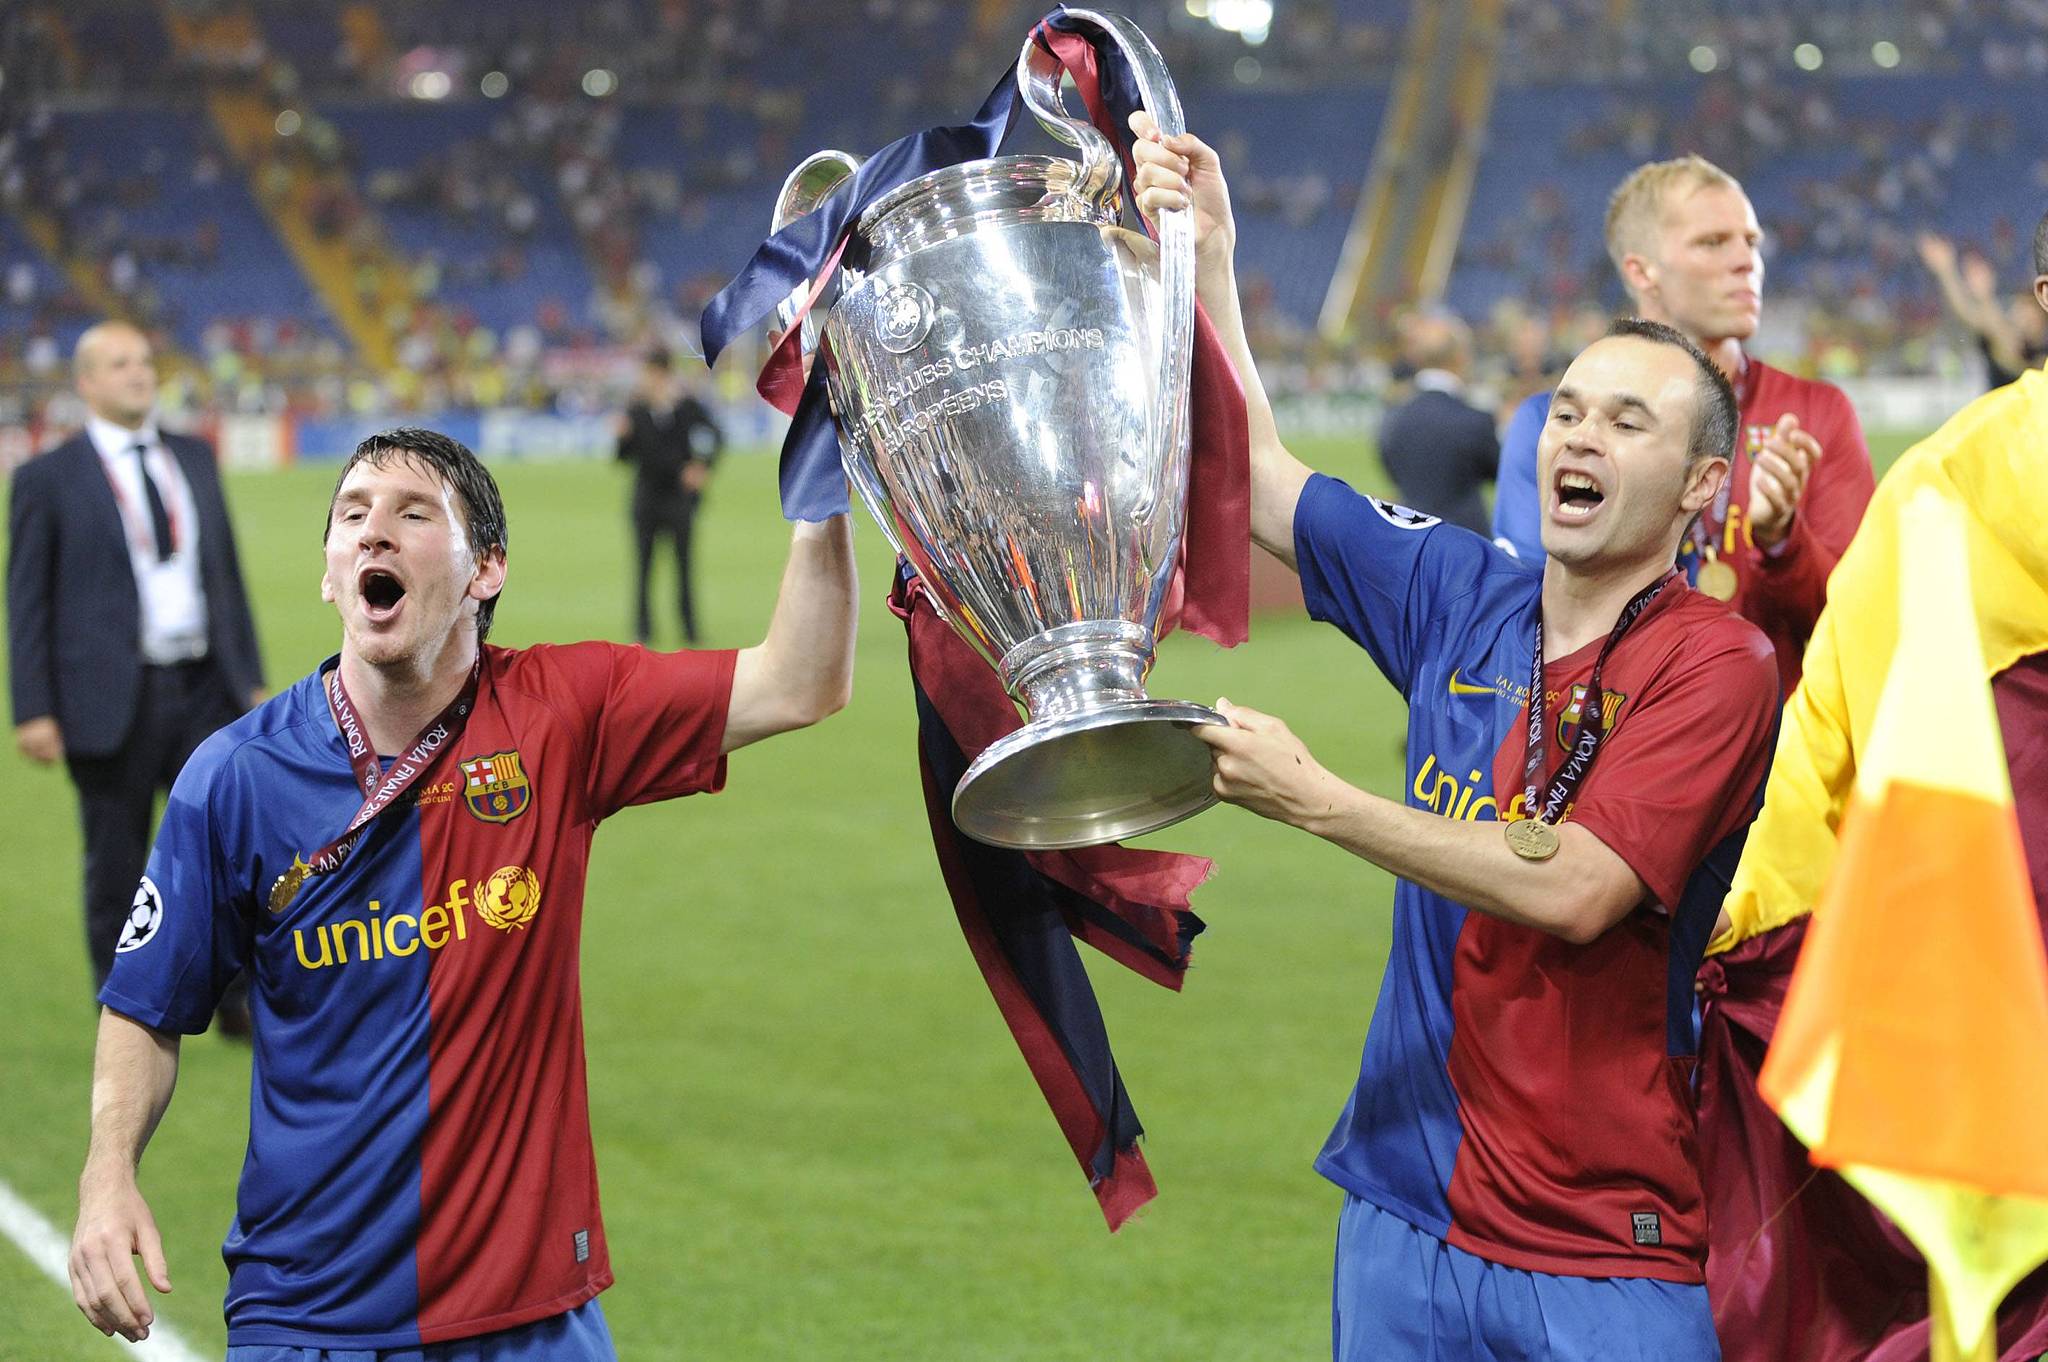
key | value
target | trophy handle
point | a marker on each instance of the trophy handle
(814, 180)
(807, 186)
(1038, 78)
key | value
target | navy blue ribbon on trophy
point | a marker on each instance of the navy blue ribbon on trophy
(809, 475)
(811, 483)
(1021, 912)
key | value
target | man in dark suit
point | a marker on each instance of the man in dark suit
(1440, 450)
(129, 635)
(671, 441)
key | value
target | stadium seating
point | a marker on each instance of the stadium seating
(196, 234)
(502, 276)
(1537, 150)
(672, 178)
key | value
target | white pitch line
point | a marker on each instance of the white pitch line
(51, 1252)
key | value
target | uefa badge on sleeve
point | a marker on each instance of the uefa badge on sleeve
(495, 787)
(145, 915)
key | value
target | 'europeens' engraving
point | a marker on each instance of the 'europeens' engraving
(890, 435)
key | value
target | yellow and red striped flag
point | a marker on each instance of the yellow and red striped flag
(1913, 1045)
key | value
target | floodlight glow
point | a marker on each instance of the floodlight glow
(430, 85)
(288, 123)
(598, 82)
(494, 84)
(1806, 57)
(1885, 54)
(1248, 70)
(1251, 20)
(1704, 59)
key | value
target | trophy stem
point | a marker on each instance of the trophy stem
(1078, 667)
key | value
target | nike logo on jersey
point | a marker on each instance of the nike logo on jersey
(1467, 687)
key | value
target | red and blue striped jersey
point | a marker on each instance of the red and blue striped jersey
(1526, 1099)
(419, 1164)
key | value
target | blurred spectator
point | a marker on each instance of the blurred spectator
(1440, 449)
(669, 438)
(2013, 334)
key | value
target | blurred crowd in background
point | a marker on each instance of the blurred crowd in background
(528, 193)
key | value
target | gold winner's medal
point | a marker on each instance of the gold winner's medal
(1532, 839)
(287, 886)
(1533, 836)
(1717, 579)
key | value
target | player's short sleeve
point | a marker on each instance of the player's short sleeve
(652, 723)
(1380, 572)
(1517, 500)
(189, 929)
(1682, 768)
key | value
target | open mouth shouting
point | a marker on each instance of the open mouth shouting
(1576, 496)
(382, 593)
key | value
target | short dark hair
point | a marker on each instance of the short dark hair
(1717, 417)
(2041, 247)
(483, 508)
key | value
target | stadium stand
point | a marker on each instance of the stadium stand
(620, 164)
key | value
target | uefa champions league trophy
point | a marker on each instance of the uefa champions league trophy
(1009, 373)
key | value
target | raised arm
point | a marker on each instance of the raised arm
(133, 1073)
(1184, 172)
(1970, 290)
(803, 670)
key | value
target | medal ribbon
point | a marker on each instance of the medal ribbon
(382, 788)
(133, 521)
(1592, 725)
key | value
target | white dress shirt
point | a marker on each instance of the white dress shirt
(168, 590)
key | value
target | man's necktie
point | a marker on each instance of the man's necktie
(159, 515)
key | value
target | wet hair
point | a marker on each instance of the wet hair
(1716, 418)
(483, 509)
(2041, 247)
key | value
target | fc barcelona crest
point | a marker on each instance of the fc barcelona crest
(1610, 705)
(495, 787)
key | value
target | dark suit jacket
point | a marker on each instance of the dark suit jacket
(1441, 451)
(659, 446)
(74, 620)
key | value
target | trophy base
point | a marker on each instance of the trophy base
(1084, 779)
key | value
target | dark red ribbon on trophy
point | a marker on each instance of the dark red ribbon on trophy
(1022, 912)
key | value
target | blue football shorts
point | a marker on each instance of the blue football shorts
(578, 1336)
(1404, 1295)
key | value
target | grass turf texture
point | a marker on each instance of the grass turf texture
(815, 1136)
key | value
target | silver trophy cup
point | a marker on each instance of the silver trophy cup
(1009, 372)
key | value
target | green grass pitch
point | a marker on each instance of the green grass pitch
(815, 1136)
